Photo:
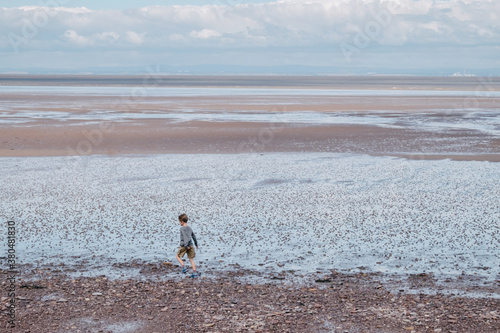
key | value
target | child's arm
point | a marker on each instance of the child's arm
(194, 239)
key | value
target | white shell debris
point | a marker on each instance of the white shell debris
(286, 211)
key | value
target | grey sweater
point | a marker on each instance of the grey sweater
(186, 235)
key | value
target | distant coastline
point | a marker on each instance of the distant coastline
(475, 83)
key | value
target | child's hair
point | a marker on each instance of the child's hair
(183, 218)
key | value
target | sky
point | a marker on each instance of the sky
(422, 37)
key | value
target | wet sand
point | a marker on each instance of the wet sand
(162, 137)
(84, 125)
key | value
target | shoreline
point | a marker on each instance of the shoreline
(429, 283)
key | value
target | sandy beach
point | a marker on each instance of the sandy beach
(381, 193)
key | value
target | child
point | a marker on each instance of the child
(187, 245)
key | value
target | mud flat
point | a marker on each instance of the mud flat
(44, 120)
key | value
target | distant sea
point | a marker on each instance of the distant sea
(333, 82)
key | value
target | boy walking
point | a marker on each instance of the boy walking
(187, 245)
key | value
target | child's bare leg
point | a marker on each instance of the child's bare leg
(179, 260)
(193, 264)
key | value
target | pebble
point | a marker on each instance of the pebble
(284, 307)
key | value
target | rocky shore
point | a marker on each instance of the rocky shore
(50, 300)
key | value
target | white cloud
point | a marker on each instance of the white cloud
(283, 23)
(107, 36)
(73, 37)
(310, 25)
(204, 34)
(135, 38)
(73, 10)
